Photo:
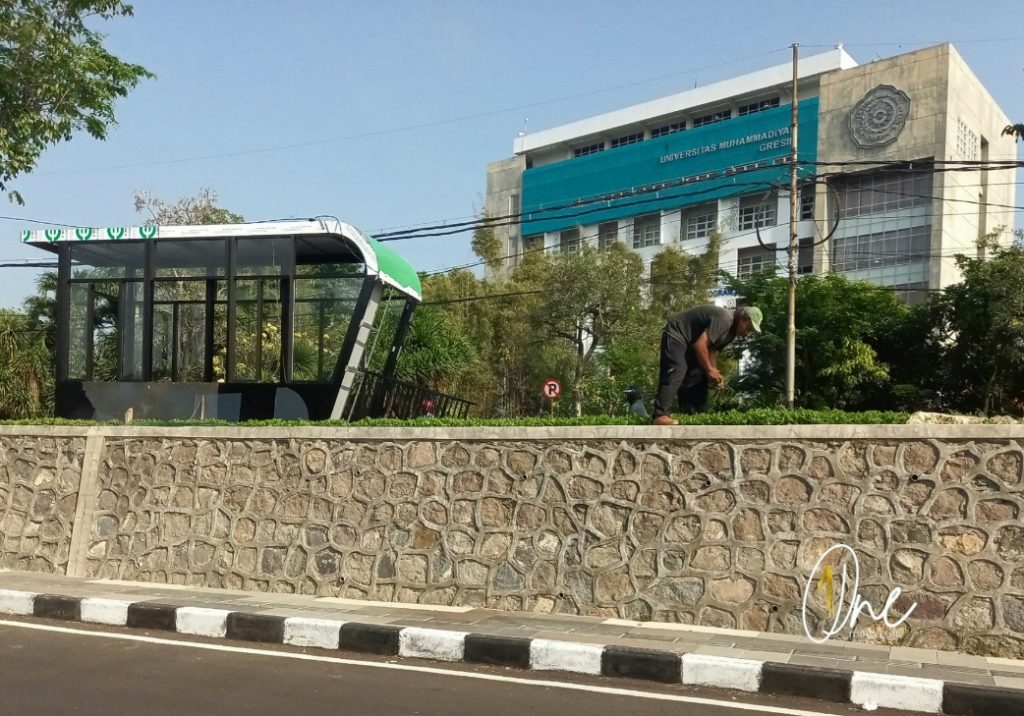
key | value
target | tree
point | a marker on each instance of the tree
(680, 281)
(589, 299)
(486, 245)
(982, 320)
(186, 211)
(436, 352)
(26, 367)
(838, 326)
(56, 78)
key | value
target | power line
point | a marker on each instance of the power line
(448, 229)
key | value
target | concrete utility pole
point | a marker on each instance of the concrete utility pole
(794, 206)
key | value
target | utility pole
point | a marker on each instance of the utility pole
(794, 206)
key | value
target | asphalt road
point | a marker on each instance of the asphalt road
(61, 669)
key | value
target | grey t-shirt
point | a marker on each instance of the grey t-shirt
(691, 323)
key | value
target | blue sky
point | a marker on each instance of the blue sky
(400, 104)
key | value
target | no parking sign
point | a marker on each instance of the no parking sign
(552, 389)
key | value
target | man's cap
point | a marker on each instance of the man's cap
(755, 316)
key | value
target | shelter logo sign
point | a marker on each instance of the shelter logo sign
(115, 232)
(879, 117)
(83, 234)
(148, 231)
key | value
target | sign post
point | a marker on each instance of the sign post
(551, 390)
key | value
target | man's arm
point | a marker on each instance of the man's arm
(702, 350)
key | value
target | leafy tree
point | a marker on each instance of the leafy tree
(486, 245)
(195, 210)
(436, 351)
(26, 367)
(680, 281)
(56, 78)
(982, 321)
(838, 325)
(590, 299)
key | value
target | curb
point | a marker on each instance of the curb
(865, 689)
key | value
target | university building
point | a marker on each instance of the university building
(670, 171)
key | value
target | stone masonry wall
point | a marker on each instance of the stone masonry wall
(39, 479)
(716, 532)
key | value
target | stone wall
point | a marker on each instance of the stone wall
(39, 479)
(721, 528)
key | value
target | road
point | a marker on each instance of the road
(53, 669)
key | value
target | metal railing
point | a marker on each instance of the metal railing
(375, 396)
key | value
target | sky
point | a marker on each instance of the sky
(385, 113)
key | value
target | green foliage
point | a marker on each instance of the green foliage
(56, 78)
(680, 281)
(436, 351)
(200, 209)
(839, 323)
(486, 245)
(590, 299)
(980, 325)
(26, 367)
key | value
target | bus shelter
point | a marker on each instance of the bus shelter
(294, 320)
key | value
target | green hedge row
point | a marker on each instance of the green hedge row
(766, 416)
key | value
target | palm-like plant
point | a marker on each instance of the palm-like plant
(26, 367)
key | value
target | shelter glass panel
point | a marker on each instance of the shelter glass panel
(180, 352)
(323, 312)
(190, 259)
(257, 330)
(265, 256)
(131, 315)
(107, 260)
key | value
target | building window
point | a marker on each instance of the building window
(760, 106)
(627, 139)
(966, 142)
(514, 205)
(913, 294)
(588, 149)
(646, 231)
(885, 248)
(607, 234)
(569, 241)
(712, 118)
(756, 214)
(668, 129)
(755, 259)
(533, 243)
(807, 202)
(700, 224)
(883, 191)
(805, 257)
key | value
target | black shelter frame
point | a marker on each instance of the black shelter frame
(233, 326)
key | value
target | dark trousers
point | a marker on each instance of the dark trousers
(679, 376)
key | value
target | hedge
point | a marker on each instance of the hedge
(766, 416)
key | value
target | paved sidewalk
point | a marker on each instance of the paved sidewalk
(895, 677)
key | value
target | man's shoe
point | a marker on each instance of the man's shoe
(664, 420)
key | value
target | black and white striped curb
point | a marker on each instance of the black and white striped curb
(869, 690)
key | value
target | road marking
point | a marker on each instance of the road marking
(612, 691)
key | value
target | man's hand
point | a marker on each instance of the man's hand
(715, 376)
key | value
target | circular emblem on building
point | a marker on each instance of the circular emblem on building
(879, 117)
